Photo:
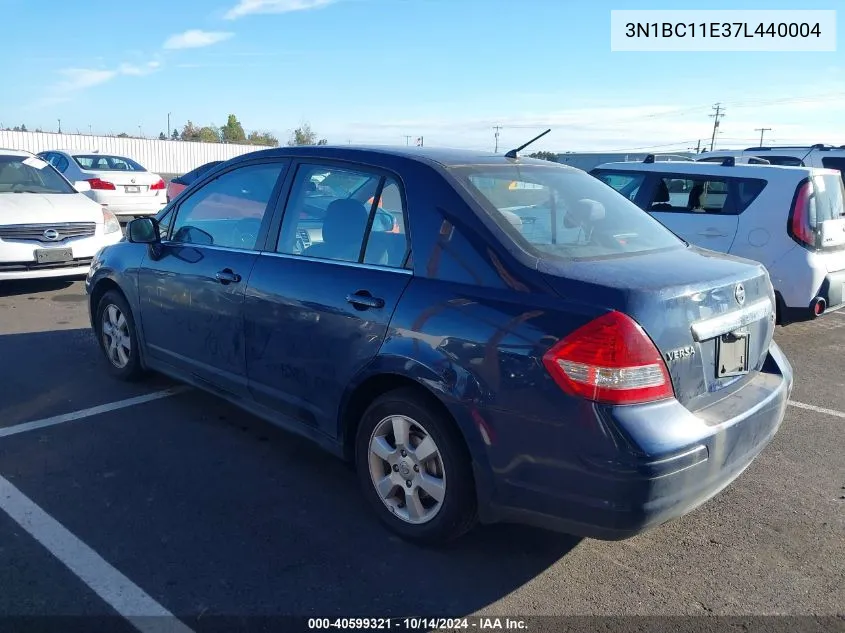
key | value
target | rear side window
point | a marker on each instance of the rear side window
(784, 161)
(704, 194)
(560, 212)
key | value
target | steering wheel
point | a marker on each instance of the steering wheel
(246, 232)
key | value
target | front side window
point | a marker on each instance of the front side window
(346, 215)
(560, 212)
(229, 210)
(98, 162)
(22, 174)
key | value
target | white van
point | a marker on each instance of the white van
(790, 219)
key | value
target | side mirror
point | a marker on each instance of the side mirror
(143, 231)
(82, 186)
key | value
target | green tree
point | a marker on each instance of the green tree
(262, 138)
(304, 135)
(161, 136)
(233, 131)
(550, 156)
(190, 132)
(209, 134)
(175, 135)
(123, 135)
(23, 127)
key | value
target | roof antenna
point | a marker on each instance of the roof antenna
(513, 153)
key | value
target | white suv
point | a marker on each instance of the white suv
(825, 156)
(790, 219)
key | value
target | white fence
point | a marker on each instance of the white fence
(164, 157)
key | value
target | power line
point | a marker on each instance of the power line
(762, 131)
(719, 113)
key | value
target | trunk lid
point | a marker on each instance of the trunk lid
(686, 300)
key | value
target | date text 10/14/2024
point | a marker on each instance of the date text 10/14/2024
(418, 624)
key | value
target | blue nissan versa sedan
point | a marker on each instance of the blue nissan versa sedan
(517, 343)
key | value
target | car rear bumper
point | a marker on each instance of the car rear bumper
(614, 499)
(131, 206)
(831, 291)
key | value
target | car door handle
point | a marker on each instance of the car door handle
(712, 233)
(363, 300)
(227, 276)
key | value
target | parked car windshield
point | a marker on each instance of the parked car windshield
(560, 212)
(23, 174)
(99, 162)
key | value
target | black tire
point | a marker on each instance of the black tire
(132, 370)
(458, 511)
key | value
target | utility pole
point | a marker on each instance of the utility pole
(720, 112)
(408, 139)
(496, 129)
(139, 132)
(60, 125)
(762, 131)
(168, 125)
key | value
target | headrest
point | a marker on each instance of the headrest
(345, 220)
(662, 194)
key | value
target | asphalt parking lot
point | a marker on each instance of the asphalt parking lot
(202, 510)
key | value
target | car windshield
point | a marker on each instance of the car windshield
(28, 174)
(560, 212)
(99, 162)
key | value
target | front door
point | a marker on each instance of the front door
(319, 302)
(192, 290)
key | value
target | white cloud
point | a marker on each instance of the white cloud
(196, 39)
(139, 71)
(81, 78)
(247, 7)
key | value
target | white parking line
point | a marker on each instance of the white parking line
(812, 407)
(117, 590)
(87, 413)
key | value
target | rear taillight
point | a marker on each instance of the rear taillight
(800, 226)
(611, 360)
(158, 185)
(102, 185)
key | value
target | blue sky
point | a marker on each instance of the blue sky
(377, 70)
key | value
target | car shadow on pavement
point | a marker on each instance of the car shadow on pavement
(34, 286)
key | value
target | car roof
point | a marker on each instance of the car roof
(15, 152)
(712, 169)
(448, 157)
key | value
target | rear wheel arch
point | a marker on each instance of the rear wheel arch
(377, 385)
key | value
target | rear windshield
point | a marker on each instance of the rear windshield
(830, 198)
(561, 212)
(98, 162)
(22, 174)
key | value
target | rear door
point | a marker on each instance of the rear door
(700, 209)
(320, 297)
(829, 206)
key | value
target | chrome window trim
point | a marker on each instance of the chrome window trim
(359, 265)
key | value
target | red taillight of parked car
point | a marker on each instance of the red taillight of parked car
(158, 185)
(101, 185)
(799, 227)
(611, 360)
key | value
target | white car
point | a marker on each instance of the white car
(48, 227)
(790, 219)
(118, 183)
